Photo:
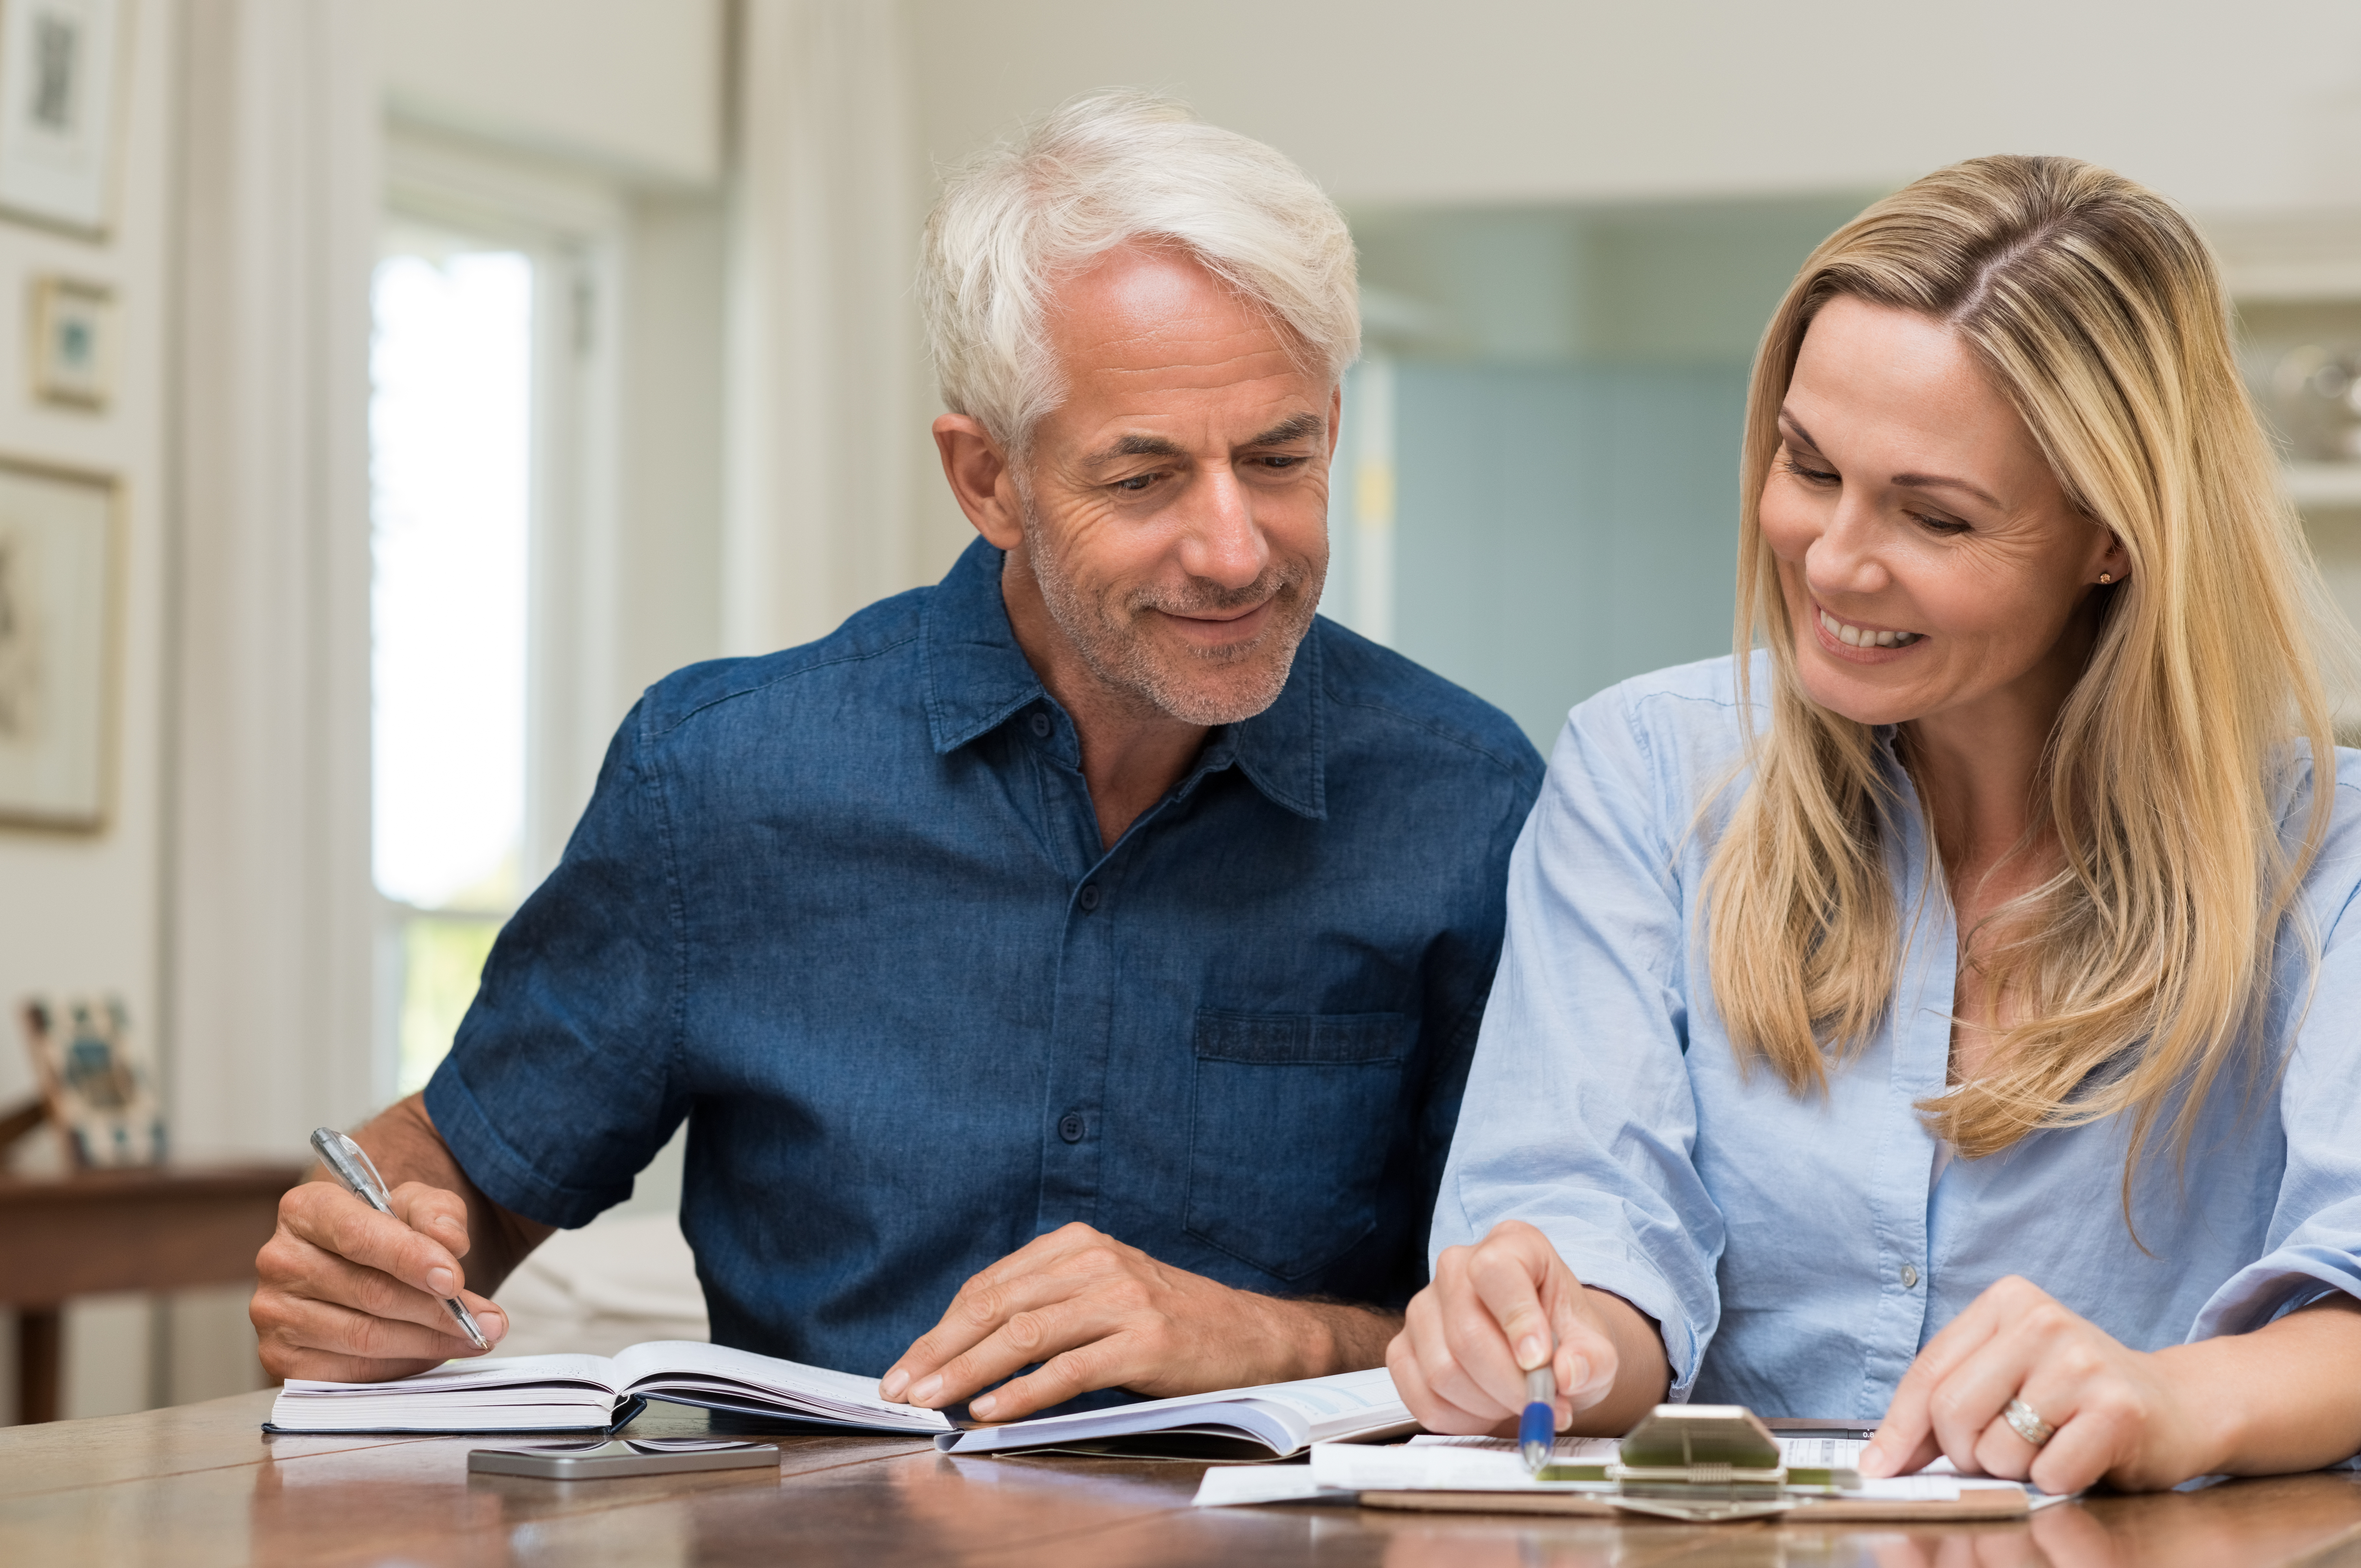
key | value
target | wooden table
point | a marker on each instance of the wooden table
(122, 1230)
(200, 1485)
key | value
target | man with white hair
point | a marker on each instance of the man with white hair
(1072, 966)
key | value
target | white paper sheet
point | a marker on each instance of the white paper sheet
(1238, 1485)
(1910, 1489)
(1433, 1467)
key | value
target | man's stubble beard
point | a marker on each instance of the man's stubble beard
(1119, 654)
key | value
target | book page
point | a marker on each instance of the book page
(1284, 1417)
(654, 1362)
(1337, 1406)
(1342, 1396)
(482, 1372)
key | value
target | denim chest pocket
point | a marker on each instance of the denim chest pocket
(1294, 1114)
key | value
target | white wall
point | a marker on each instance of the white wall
(2257, 106)
(79, 910)
(634, 84)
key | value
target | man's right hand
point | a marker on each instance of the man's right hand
(353, 1296)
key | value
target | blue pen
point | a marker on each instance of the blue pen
(1538, 1428)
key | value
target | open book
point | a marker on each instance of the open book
(551, 1393)
(1272, 1421)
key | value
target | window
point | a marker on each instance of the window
(492, 432)
(452, 434)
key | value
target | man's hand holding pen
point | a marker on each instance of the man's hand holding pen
(352, 1295)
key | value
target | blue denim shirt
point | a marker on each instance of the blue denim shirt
(845, 909)
(1798, 1250)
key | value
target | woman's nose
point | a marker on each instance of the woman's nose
(1846, 559)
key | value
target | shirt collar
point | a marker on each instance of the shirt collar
(978, 678)
(1281, 749)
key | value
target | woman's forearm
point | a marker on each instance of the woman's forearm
(1642, 1370)
(2285, 1397)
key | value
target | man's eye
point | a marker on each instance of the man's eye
(1283, 460)
(1136, 483)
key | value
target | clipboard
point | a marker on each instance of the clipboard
(1713, 1464)
(2003, 1500)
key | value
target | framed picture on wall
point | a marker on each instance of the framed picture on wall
(58, 72)
(73, 343)
(57, 570)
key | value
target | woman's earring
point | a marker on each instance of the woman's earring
(2105, 577)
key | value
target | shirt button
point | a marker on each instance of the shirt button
(1090, 899)
(1042, 725)
(1910, 1276)
(1070, 1127)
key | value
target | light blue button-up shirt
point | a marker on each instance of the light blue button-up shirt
(1798, 1251)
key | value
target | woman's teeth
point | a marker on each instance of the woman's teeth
(1862, 636)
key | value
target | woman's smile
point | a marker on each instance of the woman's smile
(1859, 644)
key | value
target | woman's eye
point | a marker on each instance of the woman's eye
(1809, 475)
(1942, 525)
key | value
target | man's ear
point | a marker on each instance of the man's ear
(980, 478)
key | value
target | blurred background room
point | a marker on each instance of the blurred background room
(396, 387)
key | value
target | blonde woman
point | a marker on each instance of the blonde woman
(1947, 1014)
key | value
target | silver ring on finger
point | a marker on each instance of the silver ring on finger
(2026, 1422)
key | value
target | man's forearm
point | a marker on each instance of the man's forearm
(1334, 1336)
(403, 1143)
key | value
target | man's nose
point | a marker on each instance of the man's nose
(1223, 545)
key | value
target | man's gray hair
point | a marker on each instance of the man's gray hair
(1108, 170)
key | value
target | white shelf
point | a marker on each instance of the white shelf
(2324, 484)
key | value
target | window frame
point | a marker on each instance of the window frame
(572, 226)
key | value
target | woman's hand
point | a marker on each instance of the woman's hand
(2117, 1414)
(1492, 1312)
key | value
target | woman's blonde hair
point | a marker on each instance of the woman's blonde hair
(2140, 965)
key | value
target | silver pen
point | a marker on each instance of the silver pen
(350, 1163)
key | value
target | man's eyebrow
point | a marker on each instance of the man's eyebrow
(1906, 481)
(1136, 446)
(1302, 427)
